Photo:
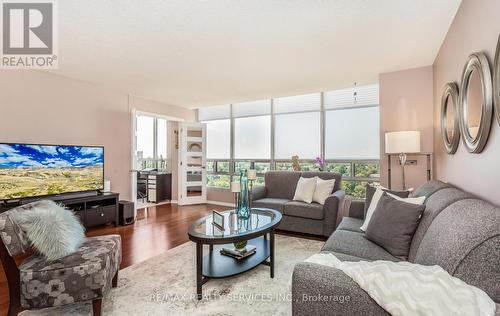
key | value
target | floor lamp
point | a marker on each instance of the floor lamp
(402, 143)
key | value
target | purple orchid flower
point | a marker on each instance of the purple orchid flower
(320, 162)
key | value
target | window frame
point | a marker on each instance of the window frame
(273, 160)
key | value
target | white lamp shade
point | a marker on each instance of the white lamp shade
(235, 187)
(402, 142)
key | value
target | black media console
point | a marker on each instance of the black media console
(93, 210)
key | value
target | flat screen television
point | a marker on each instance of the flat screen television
(34, 170)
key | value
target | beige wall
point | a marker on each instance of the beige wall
(476, 27)
(36, 107)
(406, 103)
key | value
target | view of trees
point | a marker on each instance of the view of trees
(353, 184)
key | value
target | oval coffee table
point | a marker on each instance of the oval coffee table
(254, 229)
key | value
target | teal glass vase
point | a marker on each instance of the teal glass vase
(243, 210)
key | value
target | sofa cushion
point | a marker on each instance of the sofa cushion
(305, 190)
(462, 239)
(429, 188)
(351, 224)
(324, 188)
(355, 244)
(393, 224)
(370, 191)
(82, 276)
(281, 184)
(305, 210)
(433, 206)
(272, 203)
(325, 176)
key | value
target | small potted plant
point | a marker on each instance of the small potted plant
(321, 163)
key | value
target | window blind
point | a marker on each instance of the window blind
(252, 108)
(214, 112)
(299, 103)
(366, 95)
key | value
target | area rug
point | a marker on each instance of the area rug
(166, 285)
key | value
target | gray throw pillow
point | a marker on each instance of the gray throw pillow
(393, 224)
(370, 191)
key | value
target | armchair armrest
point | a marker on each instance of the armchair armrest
(322, 290)
(258, 192)
(354, 208)
(333, 211)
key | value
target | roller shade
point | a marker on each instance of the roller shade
(366, 95)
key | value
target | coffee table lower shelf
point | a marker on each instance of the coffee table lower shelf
(216, 265)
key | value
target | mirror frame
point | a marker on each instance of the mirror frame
(450, 92)
(496, 82)
(476, 62)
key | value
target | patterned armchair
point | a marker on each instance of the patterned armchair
(85, 275)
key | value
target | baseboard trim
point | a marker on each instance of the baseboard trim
(220, 203)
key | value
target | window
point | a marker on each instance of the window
(352, 134)
(145, 136)
(218, 139)
(162, 138)
(240, 136)
(252, 137)
(298, 134)
(151, 142)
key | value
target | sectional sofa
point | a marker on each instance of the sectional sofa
(457, 231)
(309, 218)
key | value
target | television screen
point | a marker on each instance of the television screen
(38, 170)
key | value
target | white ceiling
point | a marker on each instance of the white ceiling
(197, 53)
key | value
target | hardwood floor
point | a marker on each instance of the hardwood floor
(163, 228)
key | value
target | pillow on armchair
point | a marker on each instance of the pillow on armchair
(52, 230)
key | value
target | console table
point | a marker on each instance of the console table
(92, 210)
(389, 168)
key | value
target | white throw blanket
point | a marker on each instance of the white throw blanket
(404, 288)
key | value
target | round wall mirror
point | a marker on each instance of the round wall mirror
(450, 125)
(476, 103)
(496, 82)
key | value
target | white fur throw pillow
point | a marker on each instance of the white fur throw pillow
(305, 189)
(52, 230)
(323, 190)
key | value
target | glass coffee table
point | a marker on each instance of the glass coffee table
(261, 223)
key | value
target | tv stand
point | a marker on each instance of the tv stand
(92, 209)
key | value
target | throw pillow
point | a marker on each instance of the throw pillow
(323, 190)
(52, 230)
(305, 189)
(413, 200)
(375, 200)
(370, 190)
(393, 224)
(372, 206)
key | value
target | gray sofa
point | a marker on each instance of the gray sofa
(457, 231)
(300, 217)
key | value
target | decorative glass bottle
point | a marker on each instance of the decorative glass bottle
(244, 200)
